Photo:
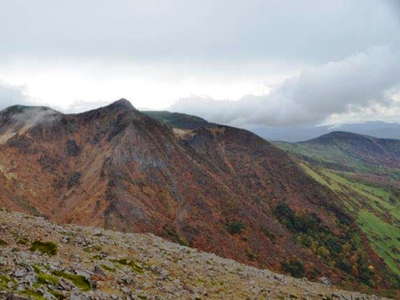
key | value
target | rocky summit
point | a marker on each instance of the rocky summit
(42, 260)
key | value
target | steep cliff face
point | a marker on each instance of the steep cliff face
(219, 189)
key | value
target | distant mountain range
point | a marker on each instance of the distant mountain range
(216, 188)
(303, 133)
(287, 134)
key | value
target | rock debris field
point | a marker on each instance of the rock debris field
(42, 260)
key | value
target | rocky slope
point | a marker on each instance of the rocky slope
(219, 189)
(42, 260)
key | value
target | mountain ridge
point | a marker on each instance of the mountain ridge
(216, 188)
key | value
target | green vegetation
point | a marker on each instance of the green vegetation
(343, 251)
(235, 227)
(350, 165)
(298, 223)
(57, 295)
(294, 268)
(130, 263)
(3, 243)
(79, 281)
(91, 249)
(4, 281)
(43, 278)
(178, 120)
(375, 207)
(385, 238)
(22, 241)
(48, 248)
(174, 236)
(107, 268)
(32, 294)
(347, 152)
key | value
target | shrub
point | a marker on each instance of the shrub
(171, 232)
(295, 223)
(334, 245)
(48, 248)
(294, 268)
(344, 266)
(235, 227)
(22, 241)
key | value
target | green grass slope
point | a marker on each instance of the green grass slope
(363, 172)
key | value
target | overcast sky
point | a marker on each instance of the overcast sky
(246, 63)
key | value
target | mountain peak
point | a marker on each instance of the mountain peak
(120, 106)
(122, 103)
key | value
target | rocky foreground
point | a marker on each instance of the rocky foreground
(42, 260)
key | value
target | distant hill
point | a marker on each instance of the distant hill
(364, 172)
(303, 133)
(352, 151)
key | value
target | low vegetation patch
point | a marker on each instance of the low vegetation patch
(78, 280)
(235, 227)
(44, 278)
(294, 268)
(48, 248)
(174, 236)
(107, 268)
(131, 263)
(91, 249)
(4, 281)
(32, 294)
(22, 241)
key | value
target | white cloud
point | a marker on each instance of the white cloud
(358, 81)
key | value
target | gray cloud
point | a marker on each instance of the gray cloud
(188, 31)
(363, 80)
(11, 95)
(344, 51)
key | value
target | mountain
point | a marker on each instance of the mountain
(179, 120)
(353, 152)
(42, 260)
(219, 189)
(303, 133)
(364, 172)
